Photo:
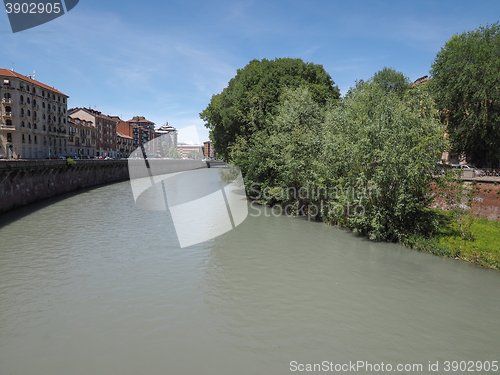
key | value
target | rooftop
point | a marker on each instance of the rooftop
(140, 119)
(13, 74)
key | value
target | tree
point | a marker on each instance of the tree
(380, 149)
(249, 102)
(283, 157)
(391, 80)
(466, 87)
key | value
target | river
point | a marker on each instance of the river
(90, 284)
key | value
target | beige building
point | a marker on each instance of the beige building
(105, 129)
(33, 118)
(187, 151)
(82, 138)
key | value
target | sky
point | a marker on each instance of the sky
(165, 59)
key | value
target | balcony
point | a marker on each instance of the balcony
(7, 115)
(6, 101)
(8, 127)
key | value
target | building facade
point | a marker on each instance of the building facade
(82, 138)
(208, 150)
(187, 151)
(165, 141)
(143, 130)
(33, 118)
(105, 130)
(125, 139)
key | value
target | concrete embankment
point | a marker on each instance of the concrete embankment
(28, 181)
(25, 182)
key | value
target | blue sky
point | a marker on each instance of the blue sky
(165, 59)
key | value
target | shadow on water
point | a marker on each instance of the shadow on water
(21, 212)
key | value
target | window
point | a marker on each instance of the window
(43, 104)
(21, 99)
(29, 113)
(24, 140)
(9, 137)
(36, 141)
(29, 125)
(8, 122)
(8, 109)
(22, 112)
(6, 95)
(22, 124)
(29, 138)
(44, 128)
(34, 126)
(28, 100)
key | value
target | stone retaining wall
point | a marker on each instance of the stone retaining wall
(25, 182)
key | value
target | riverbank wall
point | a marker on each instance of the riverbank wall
(24, 182)
(28, 181)
(480, 197)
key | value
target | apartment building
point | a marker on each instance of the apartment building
(33, 118)
(208, 150)
(105, 129)
(165, 141)
(124, 139)
(82, 138)
(187, 151)
(143, 130)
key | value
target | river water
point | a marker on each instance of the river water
(92, 285)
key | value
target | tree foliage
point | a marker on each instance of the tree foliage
(466, 86)
(365, 163)
(381, 150)
(249, 103)
(391, 80)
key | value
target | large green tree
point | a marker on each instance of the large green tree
(466, 86)
(365, 163)
(249, 102)
(391, 80)
(380, 149)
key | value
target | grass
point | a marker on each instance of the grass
(464, 237)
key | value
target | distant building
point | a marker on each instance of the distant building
(165, 141)
(190, 151)
(125, 139)
(33, 118)
(143, 130)
(82, 138)
(208, 150)
(105, 127)
(421, 80)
